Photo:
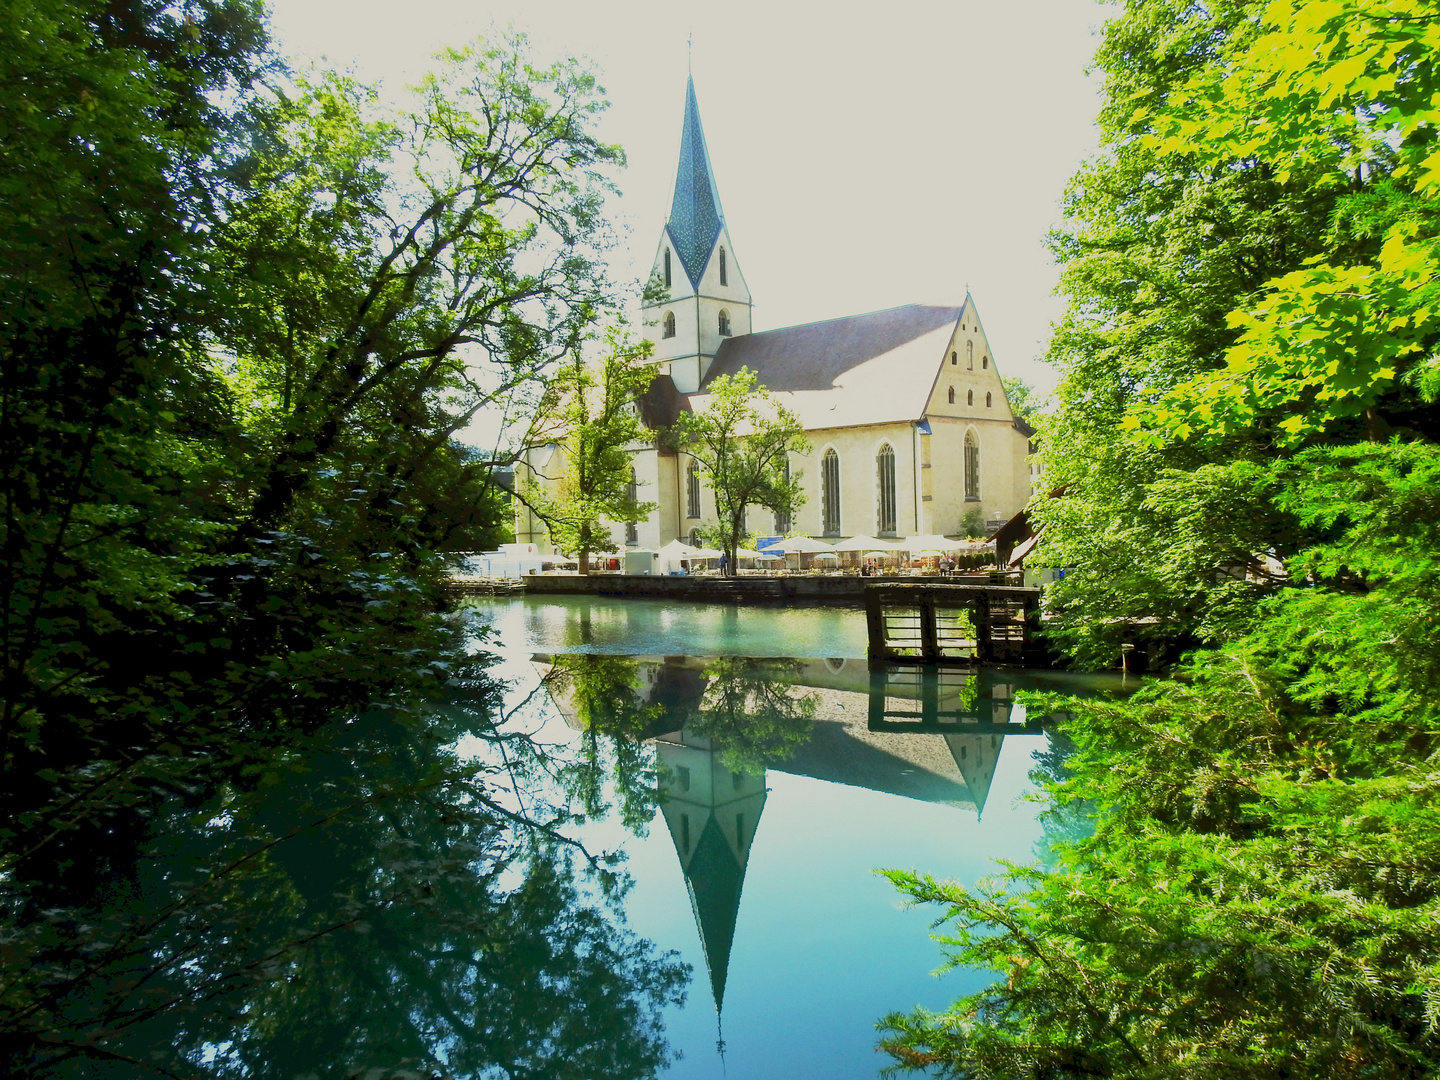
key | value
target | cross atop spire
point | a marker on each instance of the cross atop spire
(695, 214)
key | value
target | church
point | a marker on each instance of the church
(910, 430)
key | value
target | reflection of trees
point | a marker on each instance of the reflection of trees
(752, 714)
(363, 900)
(605, 698)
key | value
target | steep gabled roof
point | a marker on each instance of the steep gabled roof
(875, 368)
(695, 214)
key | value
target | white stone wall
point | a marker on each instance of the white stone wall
(687, 356)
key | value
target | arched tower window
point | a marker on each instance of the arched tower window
(984, 362)
(830, 492)
(692, 489)
(669, 324)
(954, 359)
(667, 271)
(885, 483)
(724, 323)
(724, 280)
(970, 355)
(972, 466)
(952, 395)
(987, 399)
(969, 397)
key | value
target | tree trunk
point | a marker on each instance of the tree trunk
(584, 562)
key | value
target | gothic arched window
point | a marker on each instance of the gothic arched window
(987, 399)
(830, 492)
(694, 537)
(667, 268)
(972, 466)
(724, 323)
(885, 484)
(692, 489)
(669, 324)
(952, 395)
(969, 397)
(970, 355)
(954, 359)
(984, 361)
(723, 279)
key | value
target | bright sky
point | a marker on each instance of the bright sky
(867, 155)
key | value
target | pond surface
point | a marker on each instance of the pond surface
(622, 839)
(787, 775)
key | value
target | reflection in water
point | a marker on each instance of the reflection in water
(715, 726)
(362, 902)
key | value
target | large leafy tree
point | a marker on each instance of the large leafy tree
(1257, 896)
(743, 438)
(592, 408)
(241, 344)
(1161, 244)
(244, 314)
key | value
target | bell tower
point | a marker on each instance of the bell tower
(706, 298)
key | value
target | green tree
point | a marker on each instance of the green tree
(253, 468)
(1255, 897)
(1161, 243)
(742, 438)
(1026, 402)
(593, 410)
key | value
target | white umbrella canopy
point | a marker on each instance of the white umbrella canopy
(803, 544)
(678, 549)
(860, 543)
(879, 554)
(824, 555)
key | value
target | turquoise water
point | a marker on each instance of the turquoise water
(782, 787)
(667, 628)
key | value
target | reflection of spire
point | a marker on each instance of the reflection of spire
(712, 814)
(976, 756)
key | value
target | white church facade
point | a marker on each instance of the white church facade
(910, 429)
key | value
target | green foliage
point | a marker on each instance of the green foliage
(743, 438)
(973, 523)
(1245, 433)
(243, 323)
(1025, 401)
(1343, 92)
(592, 410)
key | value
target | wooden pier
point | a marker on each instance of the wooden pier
(953, 624)
(928, 699)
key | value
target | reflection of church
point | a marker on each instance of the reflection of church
(712, 814)
(911, 734)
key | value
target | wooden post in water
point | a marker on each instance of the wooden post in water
(1005, 618)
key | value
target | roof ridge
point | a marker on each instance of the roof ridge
(857, 315)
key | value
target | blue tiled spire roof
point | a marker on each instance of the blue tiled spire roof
(695, 214)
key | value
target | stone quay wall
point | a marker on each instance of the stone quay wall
(780, 589)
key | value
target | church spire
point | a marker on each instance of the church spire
(695, 214)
